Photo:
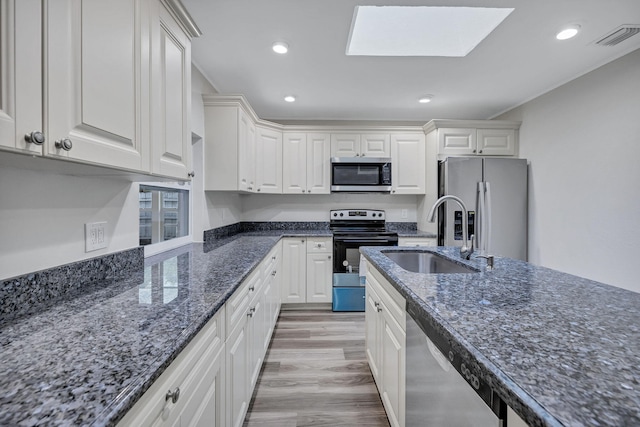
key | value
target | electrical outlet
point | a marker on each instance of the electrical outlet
(404, 213)
(95, 236)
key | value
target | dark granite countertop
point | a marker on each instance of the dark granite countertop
(87, 359)
(559, 349)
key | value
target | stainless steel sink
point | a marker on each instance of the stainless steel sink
(427, 262)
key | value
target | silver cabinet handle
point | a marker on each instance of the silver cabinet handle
(480, 151)
(35, 137)
(64, 144)
(273, 273)
(473, 151)
(251, 311)
(191, 174)
(252, 288)
(329, 257)
(173, 395)
(378, 307)
(302, 240)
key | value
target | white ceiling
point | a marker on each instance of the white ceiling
(517, 62)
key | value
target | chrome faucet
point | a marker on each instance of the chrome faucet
(466, 250)
(489, 259)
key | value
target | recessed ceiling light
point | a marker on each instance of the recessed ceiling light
(421, 30)
(290, 98)
(280, 47)
(425, 99)
(568, 32)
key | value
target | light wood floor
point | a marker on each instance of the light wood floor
(316, 374)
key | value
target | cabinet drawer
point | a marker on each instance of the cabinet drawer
(391, 298)
(319, 244)
(153, 408)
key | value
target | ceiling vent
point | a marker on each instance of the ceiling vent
(618, 35)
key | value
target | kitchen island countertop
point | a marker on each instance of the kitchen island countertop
(559, 349)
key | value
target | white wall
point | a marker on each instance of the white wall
(583, 144)
(42, 217)
(290, 207)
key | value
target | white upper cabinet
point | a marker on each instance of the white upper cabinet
(94, 69)
(345, 145)
(496, 142)
(21, 76)
(306, 165)
(268, 160)
(473, 137)
(100, 83)
(407, 163)
(318, 163)
(357, 145)
(375, 145)
(170, 97)
(294, 163)
(229, 150)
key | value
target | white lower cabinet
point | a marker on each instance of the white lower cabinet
(385, 343)
(294, 271)
(213, 378)
(195, 381)
(250, 335)
(237, 370)
(307, 267)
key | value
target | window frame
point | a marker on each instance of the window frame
(156, 248)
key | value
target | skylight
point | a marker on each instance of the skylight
(421, 30)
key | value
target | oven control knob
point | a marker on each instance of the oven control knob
(341, 214)
(335, 214)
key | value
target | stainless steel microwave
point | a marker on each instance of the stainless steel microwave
(361, 174)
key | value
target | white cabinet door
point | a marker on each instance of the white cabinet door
(393, 368)
(245, 144)
(256, 331)
(268, 161)
(319, 275)
(345, 145)
(372, 333)
(294, 271)
(20, 74)
(170, 97)
(457, 141)
(318, 163)
(375, 145)
(294, 163)
(496, 142)
(408, 164)
(206, 403)
(237, 375)
(94, 72)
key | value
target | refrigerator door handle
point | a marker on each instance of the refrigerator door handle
(487, 219)
(479, 220)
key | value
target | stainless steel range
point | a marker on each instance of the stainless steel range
(352, 229)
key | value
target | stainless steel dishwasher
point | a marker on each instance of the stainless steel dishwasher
(437, 394)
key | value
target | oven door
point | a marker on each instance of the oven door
(346, 250)
(348, 286)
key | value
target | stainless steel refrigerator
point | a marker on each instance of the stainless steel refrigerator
(494, 191)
